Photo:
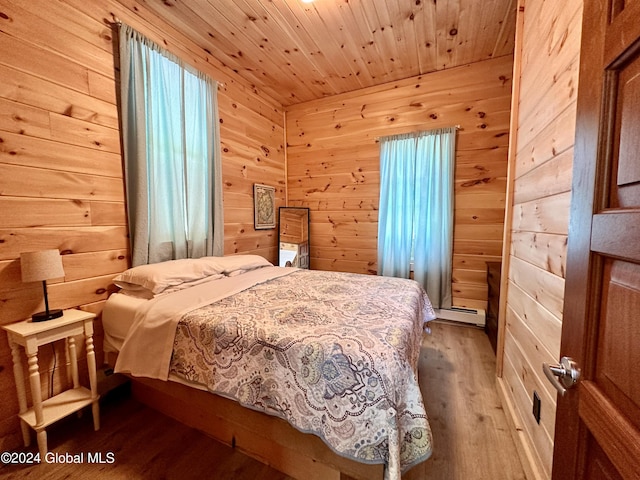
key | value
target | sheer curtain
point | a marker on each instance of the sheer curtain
(415, 218)
(172, 157)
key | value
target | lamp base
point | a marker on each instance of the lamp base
(43, 316)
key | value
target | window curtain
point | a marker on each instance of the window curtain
(415, 217)
(171, 141)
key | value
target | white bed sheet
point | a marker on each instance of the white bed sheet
(152, 331)
(117, 318)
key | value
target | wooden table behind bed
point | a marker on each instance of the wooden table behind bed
(266, 438)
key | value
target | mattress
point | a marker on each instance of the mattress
(117, 317)
(334, 354)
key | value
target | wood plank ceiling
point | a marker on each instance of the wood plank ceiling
(295, 51)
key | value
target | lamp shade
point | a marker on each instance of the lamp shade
(41, 265)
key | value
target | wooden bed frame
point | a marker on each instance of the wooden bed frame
(266, 438)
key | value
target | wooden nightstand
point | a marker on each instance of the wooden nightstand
(32, 335)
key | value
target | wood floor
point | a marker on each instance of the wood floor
(471, 440)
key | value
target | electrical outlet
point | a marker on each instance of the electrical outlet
(536, 406)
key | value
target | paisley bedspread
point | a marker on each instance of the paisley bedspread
(335, 354)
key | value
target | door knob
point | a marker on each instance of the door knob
(563, 375)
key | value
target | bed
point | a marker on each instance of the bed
(332, 354)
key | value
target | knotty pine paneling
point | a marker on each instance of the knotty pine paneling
(519, 374)
(299, 52)
(541, 171)
(518, 350)
(333, 166)
(61, 177)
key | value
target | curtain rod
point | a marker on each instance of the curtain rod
(377, 139)
(220, 84)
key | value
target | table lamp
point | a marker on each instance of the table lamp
(42, 266)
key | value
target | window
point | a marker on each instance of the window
(172, 154)
(415, 217)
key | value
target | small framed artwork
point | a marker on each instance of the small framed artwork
(264, 206)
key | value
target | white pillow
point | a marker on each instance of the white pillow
(236, 264)
(140, 292)
(157, 277)
(192, 283)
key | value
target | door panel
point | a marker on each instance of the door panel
(604, 424)
(611, 233)
(625, 86)
(629, 124)
(619, 332)
(598, 423)
(601, 467)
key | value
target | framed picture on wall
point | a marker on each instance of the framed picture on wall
(264, 206)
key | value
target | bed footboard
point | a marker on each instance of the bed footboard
(266, 438)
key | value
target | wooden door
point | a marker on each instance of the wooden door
(598, 422)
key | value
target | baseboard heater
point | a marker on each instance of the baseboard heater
(463, 315)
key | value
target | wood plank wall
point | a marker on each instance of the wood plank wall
(61, 180)
(333, 166)
(539, 224)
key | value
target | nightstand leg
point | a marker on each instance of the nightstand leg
(36, 394)
(18, 374)
(72, 359)
(93, 382)
(42, 444)
(95, 410)
(71, 345)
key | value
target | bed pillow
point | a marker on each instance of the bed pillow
(235, 264)
(135, 291)
(192, 283)
(157, 277)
